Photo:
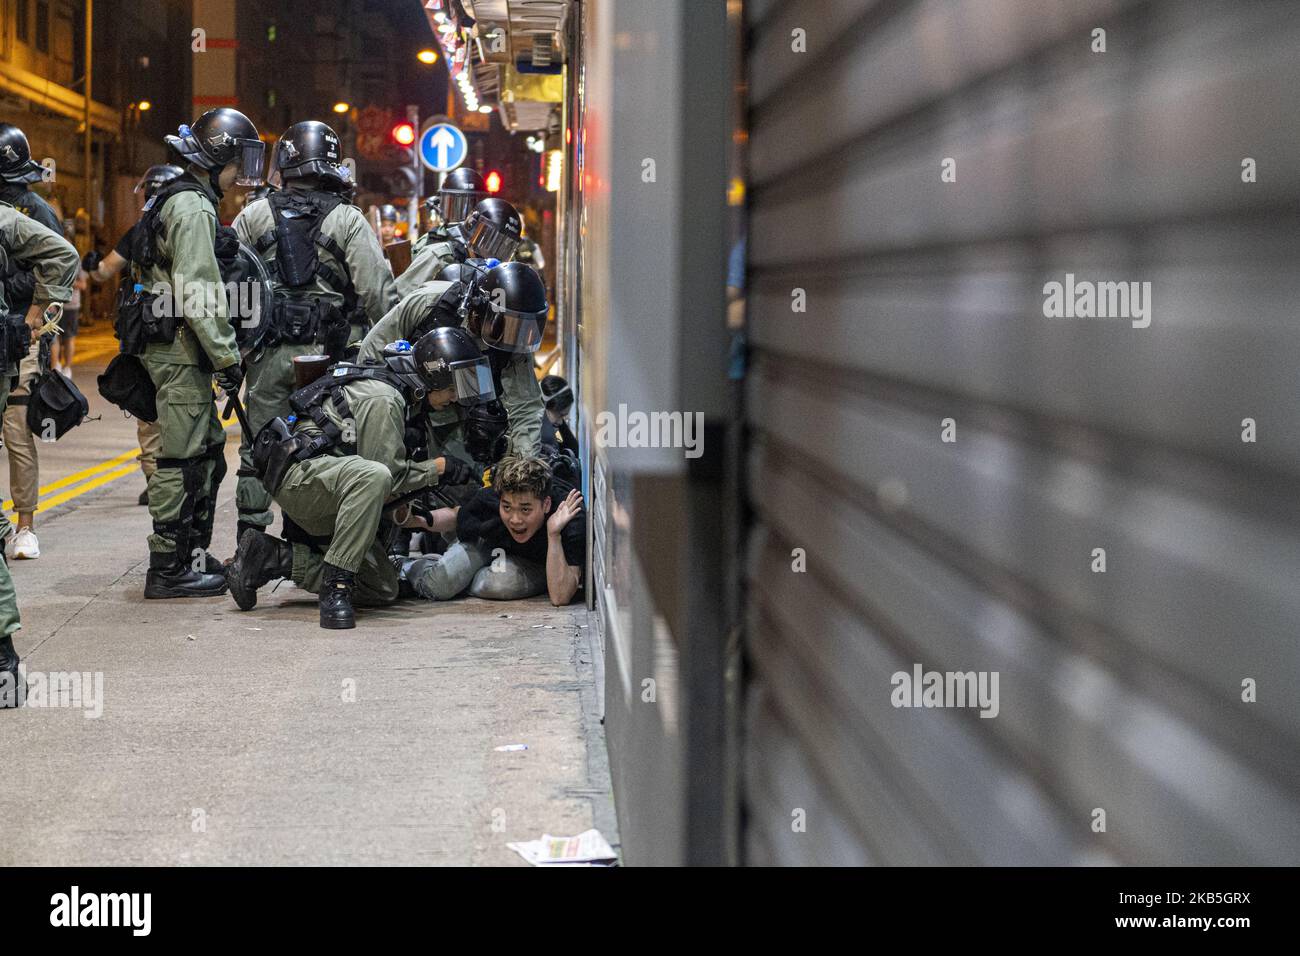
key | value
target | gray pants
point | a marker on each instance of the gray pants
(473, 567)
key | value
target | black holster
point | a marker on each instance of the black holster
(275, 450)
(17, 342)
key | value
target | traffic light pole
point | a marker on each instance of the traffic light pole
(413, 209)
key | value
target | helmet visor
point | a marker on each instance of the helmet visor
(252, 162)
(512, 331)
(30, 172)
(486, 241)
(473, 382)
(455, 206)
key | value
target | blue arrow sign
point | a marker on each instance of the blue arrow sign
(443, 147)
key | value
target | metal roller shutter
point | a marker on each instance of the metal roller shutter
(925, 301)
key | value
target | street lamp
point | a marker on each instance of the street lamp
(342, 108)
(427, 57)
(144, 106)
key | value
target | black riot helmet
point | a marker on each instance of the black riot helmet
(16, 164)
(509, 308)
(310, 148)
(485, 432)
(220, 137)
(156, 177)
(450, 358)
(492, 230)
(459, 194)
(388, 213)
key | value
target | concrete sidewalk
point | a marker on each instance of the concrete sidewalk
(258, 738)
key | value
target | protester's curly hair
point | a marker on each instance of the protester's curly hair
(515, 475)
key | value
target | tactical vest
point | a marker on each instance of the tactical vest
(137, 322)
(309, 402)
(300, 317)
(277, 447)
(146, 247)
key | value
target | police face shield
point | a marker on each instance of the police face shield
(456, 207)
(252, 162)
(512, 331)
(473, 382)
(486, 241)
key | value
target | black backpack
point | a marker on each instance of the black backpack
(126, 383)
(54, 399)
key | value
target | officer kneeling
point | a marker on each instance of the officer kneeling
(335, 466)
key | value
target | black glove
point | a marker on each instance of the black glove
(92, 260)
(230, 378)
(456, 472)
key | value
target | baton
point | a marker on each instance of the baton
(234, 404)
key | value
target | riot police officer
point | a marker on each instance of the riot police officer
(18, 171)
(189, 341)
(109, 267)
(330, 280)
(54, 266)
(461, 191)
(346, 459)
(505, 308)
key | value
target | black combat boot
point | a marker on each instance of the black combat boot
(170, 577)
(336, 599)
(258, 560)
(11, 695)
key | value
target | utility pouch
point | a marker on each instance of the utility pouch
(138, 324)
(297, 321)
(158, 329)
(335, 330)
(17, 342)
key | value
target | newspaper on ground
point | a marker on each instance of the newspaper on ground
(585, 849)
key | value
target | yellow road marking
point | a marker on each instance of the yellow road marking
(77, 476)
(94, 354)
(91, 485)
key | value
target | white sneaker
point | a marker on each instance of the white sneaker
(25, 544)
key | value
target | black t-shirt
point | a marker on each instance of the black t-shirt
(480, 520)
(126, 244)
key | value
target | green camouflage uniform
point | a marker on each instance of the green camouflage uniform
(432, 251)
(191, 461)
(55, 262)
(270, 370)
(519, 391)
(341, 496)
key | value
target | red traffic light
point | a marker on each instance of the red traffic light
(493, 182)
(403, 134)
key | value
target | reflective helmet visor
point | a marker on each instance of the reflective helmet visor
(486, 241)
(512, 331)
(252, 162)
(473, 382)
(456, 206)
